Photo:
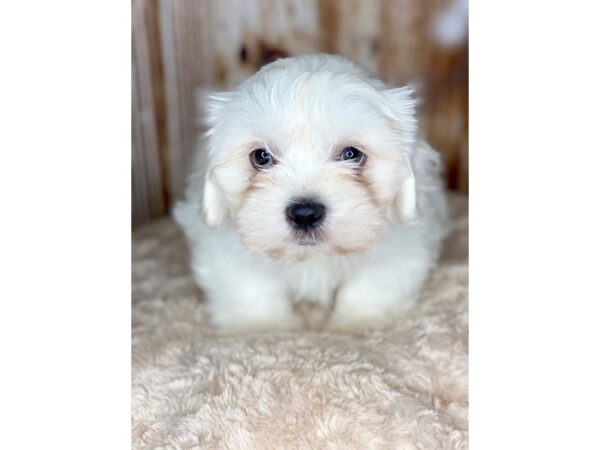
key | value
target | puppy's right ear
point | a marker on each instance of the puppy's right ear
(215, 210)
(213, 105)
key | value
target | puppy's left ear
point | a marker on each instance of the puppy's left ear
(401, 109)
(406, 201)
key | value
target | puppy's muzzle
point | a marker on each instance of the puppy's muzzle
(305, 214)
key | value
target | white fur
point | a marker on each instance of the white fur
(384, 223)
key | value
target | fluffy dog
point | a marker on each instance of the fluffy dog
(312, 185)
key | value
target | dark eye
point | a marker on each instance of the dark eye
(352, 154)
(261, 159)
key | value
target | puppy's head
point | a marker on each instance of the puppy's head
(310, 156)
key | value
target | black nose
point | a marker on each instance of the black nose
(305, 214)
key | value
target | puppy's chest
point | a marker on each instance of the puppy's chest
(315, 282)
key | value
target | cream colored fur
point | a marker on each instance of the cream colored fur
(404, 387)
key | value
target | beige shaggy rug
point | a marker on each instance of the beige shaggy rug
(401, 388)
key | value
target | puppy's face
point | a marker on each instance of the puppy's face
(308, 160)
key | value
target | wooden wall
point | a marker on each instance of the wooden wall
(179, 45)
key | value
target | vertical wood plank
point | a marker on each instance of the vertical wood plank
(148, 200)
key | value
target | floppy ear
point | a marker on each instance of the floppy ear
(212, 105)
(215, 210)
(406, 202)
(400, 108)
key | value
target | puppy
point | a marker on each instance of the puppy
(312, 185)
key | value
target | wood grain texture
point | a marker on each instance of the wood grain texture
(149, 200)
(182, 45)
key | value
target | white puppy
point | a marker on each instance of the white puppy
(312, 185)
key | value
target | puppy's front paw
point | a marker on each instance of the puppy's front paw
(360, 320)
(362, 307)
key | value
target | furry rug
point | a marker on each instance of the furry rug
(403, 388)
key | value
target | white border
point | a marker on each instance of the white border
(534, 217)
(65, 236)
